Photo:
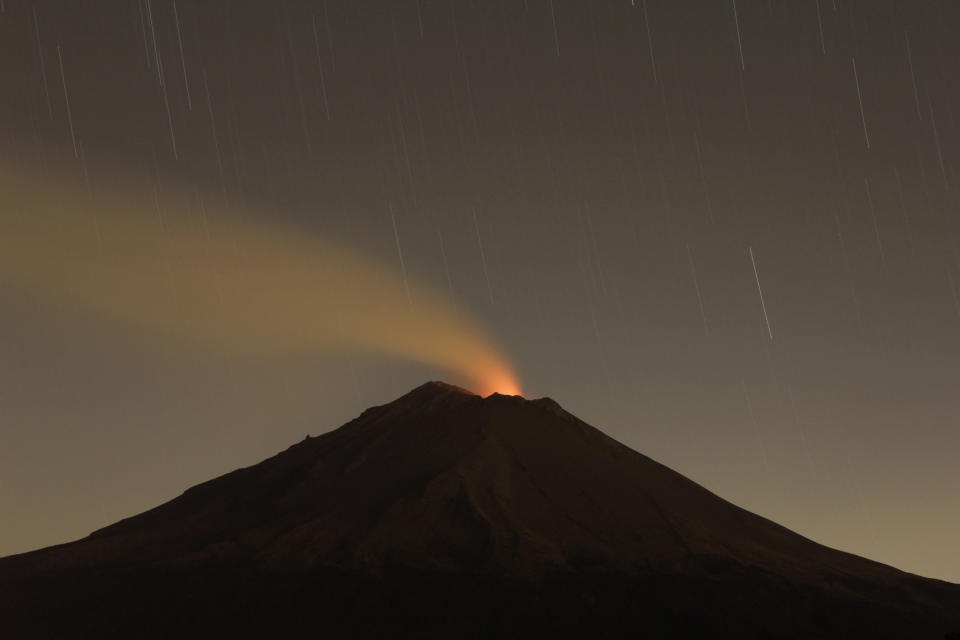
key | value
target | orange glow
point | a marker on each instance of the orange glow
(500, 381)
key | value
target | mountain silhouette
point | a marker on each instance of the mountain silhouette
(445, 514)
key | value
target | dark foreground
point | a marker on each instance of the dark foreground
(234, 603)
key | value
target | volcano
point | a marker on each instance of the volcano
(446, 514)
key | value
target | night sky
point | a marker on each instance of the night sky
(725, 233)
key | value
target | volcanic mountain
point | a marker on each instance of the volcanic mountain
(445, 514)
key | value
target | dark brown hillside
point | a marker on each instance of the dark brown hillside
(443, 508)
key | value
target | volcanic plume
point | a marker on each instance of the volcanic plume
(221, 280)
(446, 514)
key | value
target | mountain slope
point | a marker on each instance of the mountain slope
(444, 496)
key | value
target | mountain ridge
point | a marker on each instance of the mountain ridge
(445, 485)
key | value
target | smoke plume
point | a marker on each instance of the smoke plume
(222, 280)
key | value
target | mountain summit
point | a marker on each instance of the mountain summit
(445, 513)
